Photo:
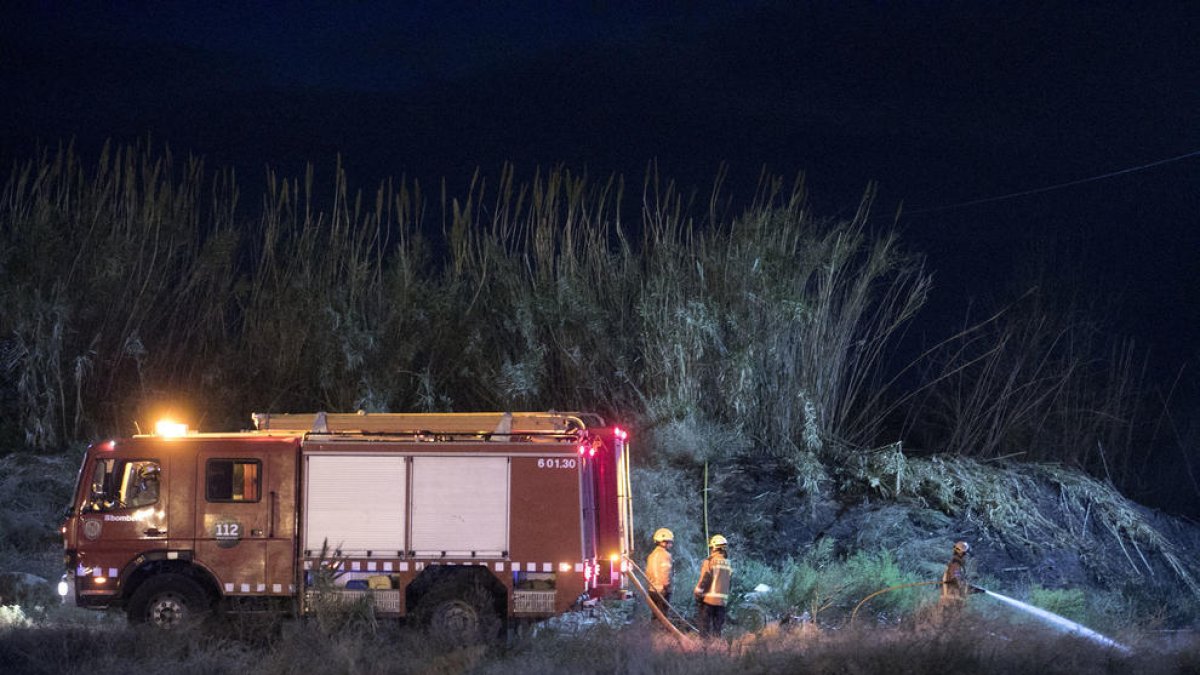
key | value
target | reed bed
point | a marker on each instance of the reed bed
(144, 280)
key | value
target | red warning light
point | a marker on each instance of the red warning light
(582, 449)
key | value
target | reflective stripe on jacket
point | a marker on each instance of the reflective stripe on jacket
(715, 576)
(658, 568)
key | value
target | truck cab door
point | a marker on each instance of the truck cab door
(122, 515)
(232, 516)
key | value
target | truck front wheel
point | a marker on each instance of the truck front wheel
(168, 601)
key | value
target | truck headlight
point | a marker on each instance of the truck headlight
(63, 587)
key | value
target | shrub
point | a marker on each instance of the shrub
(11, 616)
(828, 588)
(1071, 603)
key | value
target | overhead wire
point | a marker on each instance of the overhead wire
(1057, 186)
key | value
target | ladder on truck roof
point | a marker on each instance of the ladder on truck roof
(481, 424)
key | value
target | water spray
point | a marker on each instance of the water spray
(1060, 622)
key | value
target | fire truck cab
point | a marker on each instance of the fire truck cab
(459, 520)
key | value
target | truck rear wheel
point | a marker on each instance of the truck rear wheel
(168, 602)
(460, 613)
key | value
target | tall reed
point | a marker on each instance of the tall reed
(145, 280)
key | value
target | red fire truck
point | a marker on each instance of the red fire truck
(461, 520)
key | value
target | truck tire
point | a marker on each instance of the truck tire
(168, 602)
(460, 613)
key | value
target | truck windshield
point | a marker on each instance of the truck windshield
(123, 484)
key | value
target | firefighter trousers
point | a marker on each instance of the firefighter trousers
(662, 600)
(711, 620)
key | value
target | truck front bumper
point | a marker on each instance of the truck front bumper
(87, 591)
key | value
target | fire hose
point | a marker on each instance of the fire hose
(889, 590)
(631, 567)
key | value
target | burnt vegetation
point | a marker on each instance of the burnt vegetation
(761, 344)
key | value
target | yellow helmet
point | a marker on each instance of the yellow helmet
(717, 540)
(663, 534)
(962, 548)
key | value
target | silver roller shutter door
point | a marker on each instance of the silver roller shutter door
(460, 506)
(356, 502)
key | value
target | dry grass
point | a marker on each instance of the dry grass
(971, 645)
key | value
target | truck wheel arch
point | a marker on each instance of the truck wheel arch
(156, 564)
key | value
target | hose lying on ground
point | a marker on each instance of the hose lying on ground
(676, 614)
(889, 590)
(653, 607)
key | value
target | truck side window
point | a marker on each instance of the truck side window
(123, 484)
(233, 480)
(102, 496)
(140, 484)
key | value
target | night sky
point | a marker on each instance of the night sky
(940, 103)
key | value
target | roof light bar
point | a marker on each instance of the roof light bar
(170, 429)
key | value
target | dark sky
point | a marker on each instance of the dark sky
(939, 102)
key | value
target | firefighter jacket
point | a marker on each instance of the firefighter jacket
(715, 576)
(954, 580)
(658, 569)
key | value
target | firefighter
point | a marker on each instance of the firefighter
(145, 489)
(955, 585)
(712, 591)
(658, 569)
